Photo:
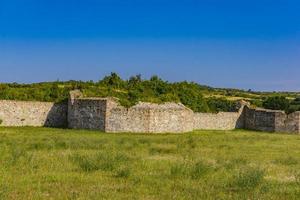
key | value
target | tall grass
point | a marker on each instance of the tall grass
(247, 179)
(43, 163)
(100, 161)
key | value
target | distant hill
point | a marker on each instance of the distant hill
(198, 97)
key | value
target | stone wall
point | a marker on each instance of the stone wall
(221, 120)
(87, 114)
(260, 119)
(150, 118)
(271, 120)
(218, 121)
(106, 114)
(28, 113)
(172, 118)
(288, 123)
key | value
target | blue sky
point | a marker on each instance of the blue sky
(242, 44)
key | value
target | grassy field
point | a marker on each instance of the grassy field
(42, 163)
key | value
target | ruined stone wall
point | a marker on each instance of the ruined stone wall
(218, 121)
(221, 120)
(288, 123)
(28, 113)
(150, 118)
(271, 120)
(106, 114)
(121, 119)
(173, 120)
(260, 119)
(87, 113)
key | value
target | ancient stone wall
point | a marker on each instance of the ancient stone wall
(87, 113)
(128, 120)
(150, 118)
(288, 123)
(271, 120)
(28, 113)
(260, 119)
(218, 121)
(221, 120)
(106, 114)
(172, 118)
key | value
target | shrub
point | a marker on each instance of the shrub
(1, 121)
(256, 102)
(192, 99)
(136, 89)
(221, 104)
(276, 103)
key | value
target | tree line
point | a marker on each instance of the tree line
(136, 89)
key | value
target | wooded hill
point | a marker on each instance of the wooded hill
(198, 97)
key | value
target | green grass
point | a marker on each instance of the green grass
(43, 163)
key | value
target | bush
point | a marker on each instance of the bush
(192, 98)
(276, 103)
(155, 90)
(1, 121)
(256, 102)
(221, 104)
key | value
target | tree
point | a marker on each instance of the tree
(276, 103)
(221, 104)
(113, 80)
(192, 98)
(134, 80)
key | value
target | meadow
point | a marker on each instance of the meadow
(44, 163)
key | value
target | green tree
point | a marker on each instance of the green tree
(276, 103)
(114, 80)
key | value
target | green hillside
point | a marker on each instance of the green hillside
(198, 97)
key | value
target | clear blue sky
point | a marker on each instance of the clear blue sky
(242, 44)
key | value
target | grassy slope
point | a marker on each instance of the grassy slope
(41, 163)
